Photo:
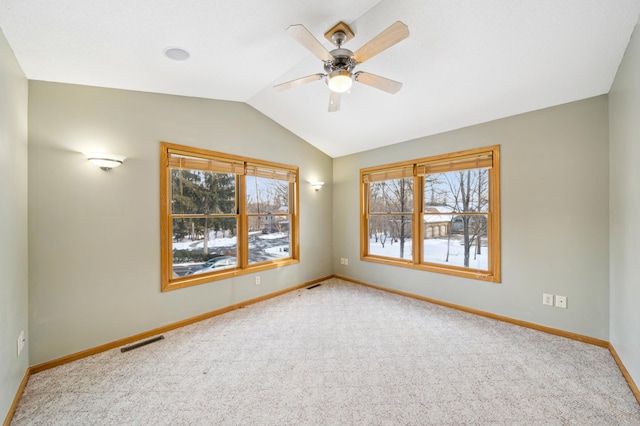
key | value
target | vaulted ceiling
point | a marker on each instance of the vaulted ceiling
(465, 61)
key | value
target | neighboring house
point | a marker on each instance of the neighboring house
(458, 224)
(275, 222)
(438, 222)
(436, 225)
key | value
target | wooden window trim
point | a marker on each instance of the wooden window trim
(486, 157)
(224, 163)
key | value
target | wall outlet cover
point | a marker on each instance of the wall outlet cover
(20, 342)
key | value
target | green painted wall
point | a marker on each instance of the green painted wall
(624, 196)
(554, 209)
(13, 225)
(95, 236)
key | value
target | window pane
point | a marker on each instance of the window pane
(391, 196)
(458, 191)
(272, 240)
(203, 245)
(390, 236)
(456, 240)
(267, 195)
(202, 192)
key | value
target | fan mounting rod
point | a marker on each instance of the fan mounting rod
(339, 38)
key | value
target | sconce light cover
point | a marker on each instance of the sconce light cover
(105, 161)
(317, 185)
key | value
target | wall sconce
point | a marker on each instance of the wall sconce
(105, 161)
(317, 185)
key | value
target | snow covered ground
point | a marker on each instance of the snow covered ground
(216, 240)
(274, 245)
(435, 251)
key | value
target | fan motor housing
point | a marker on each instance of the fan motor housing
(343, 60)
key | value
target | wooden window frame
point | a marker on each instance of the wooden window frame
(487, 157)
(227, 163)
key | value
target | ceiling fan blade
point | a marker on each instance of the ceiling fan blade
(392, 35)
(305, 38)
(381, 83)
(334, 101)
(298, 82)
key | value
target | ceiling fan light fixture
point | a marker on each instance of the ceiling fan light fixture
(340, 63)
(339, 81)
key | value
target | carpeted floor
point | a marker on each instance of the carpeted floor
(338, 354)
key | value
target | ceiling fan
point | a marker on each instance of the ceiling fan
(339, 63)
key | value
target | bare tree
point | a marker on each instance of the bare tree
(383, 238)
(399, 199)
(469, 192)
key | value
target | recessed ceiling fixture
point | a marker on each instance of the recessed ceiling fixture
(176, 53)
(340, 62)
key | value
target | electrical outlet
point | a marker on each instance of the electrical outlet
(257, 281)
(346, 261)
(547, 299)
(20, 342)
(342, 260)
(561, 302)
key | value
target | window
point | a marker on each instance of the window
(440, 214)
(391, 212)
(223, 215)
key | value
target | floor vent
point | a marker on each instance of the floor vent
(314, 286)
(143, 343)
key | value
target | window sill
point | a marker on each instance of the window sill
(223, 275)
(430, 267)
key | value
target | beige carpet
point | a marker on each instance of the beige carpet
(338, 354)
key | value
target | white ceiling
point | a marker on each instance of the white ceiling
(465, 62)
